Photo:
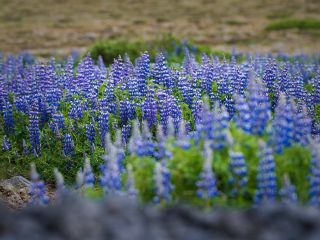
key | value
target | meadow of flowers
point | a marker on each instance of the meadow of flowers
(207, 131)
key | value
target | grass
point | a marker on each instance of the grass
(293, 23)
(171, 46)
(207, 21)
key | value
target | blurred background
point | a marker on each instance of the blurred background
(61, 26)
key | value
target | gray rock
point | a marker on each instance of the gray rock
(14, 191)
(116, 218)
(16, 182)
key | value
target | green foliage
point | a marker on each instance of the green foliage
(317, 112)
(14, 162)
(95, 193)
(111, 49)
(295, 161)
(290, 23)
(214, 88)
(173, 48)
(309, 87)
(101, 90)
(185, 167)
(143, 169)
(187, 114)
(248, 145)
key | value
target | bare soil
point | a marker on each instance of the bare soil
(59, 26)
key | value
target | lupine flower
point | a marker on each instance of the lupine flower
(185, 87)
(218, 126)
(90, 133)
(127, 111)
(34, 132)
(133, 88)
(223, 83)
(103, 121)
(21, 104)
(161, 72)
(150, 109)
(88, 174)
(288, 192)
(79, 179)
(170, 128)
(85, 76)
(283, 77)
(314, 178)
(147, 142)
(68, 76)
(60, 187)
(296, 86)
(132, 192)
(163, 186)
(242, 117)
(316, 91)
(68, 145)
(242, 81)
(239, 172)
(302, 126)
(142, 65)
(188, 62)
(141, 145)
(210, 76)
(266, 177)
(111, 176)
(163, 96)
(207, 183)
(128, 69)
(270, 75)
(232, 77)
(163, 108)
(282, 125)
(136, 139)
(117, 71)
(142, 72)
(259, 106)
(6, 144)
(37, 193)
(101, 72)
(182, 139)
(25, 147)
(125, 132)
(175, 112)
(76, 110)
(8, 118)
(161, 151)
(196, 111)
(58, 120)
(120, 151)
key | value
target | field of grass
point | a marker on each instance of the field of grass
(57, 27)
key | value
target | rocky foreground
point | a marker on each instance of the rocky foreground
(74, 218)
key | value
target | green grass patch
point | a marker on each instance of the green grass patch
(292, 23)
(171, 46)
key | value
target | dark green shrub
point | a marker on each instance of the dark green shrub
(302, 24)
